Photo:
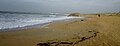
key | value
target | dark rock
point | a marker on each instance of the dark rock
(82, 20)
(75, 14)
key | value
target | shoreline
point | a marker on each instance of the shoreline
(35, 26)
(22, 28)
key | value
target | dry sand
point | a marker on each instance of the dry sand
(98, 31)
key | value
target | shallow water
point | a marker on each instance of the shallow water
(8, 21)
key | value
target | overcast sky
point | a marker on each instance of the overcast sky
(61, 6)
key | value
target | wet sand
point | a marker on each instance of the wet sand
(92, 31)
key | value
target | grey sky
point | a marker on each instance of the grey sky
(61, 6)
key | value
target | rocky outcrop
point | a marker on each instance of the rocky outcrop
(75, 14)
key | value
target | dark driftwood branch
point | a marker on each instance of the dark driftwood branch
(56, 43)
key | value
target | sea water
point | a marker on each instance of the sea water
(8, 21)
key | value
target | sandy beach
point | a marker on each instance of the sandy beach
(91, 31)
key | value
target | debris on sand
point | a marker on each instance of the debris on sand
(57, 43)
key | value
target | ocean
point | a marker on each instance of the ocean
(9, 21)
